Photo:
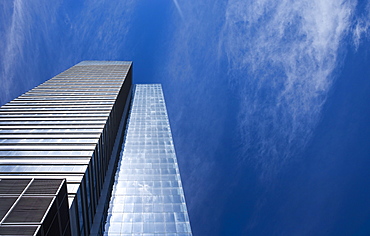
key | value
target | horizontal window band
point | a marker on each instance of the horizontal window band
(81, 79)
(57, 108)
(55, 115)
(31, 106)
(46, 156)
(71, 96)
(84, 83)
(111, 73)
(47, 153)
(59, 103)
(72, 85)
(56, 92)
(27, 108)
(44, 88)
(94, 85)
(65, 81)
(59, 92)
(27, 122)
(46, 173)
(59, 141)
(43, 147)
(52, 123)
(35, 161)
(3, 112)
(50, 126)
(69, 93)
(98, 120)
(60, 169)
(39, 90)
(65, 99)
(48, 136)
(60, 132)
(51, 146)
(99, 89)
(71, 178)
(106, 73)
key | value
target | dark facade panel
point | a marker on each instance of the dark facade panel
(34, 207)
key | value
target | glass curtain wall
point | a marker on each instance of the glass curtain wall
(147, 196)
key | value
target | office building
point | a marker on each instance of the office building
(147, 195)
(72, 132)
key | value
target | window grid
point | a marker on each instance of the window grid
(147, 196)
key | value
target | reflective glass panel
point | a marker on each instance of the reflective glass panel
(147, 196)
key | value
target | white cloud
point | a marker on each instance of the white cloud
(362, 26)
(287, 51)
(24, 23)
(12, 46)
(178, 9)
(35, 32)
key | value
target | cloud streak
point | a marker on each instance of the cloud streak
(361, 26)
(27, 35)
(13, 37)
(41, 39)
(281, 56)
(178, 9)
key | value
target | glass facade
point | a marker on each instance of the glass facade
(147, 196)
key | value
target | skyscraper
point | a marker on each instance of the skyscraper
(147, 195)
(70, 130)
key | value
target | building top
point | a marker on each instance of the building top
(93, 63)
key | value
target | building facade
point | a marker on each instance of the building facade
(147, 196)
(71, 128)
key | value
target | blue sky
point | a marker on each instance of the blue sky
(268, 101)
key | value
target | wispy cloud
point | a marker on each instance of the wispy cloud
(40, 39)
(361, 26)
(281, 54)
(13, 38)
(178, 9)
(26, 34)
